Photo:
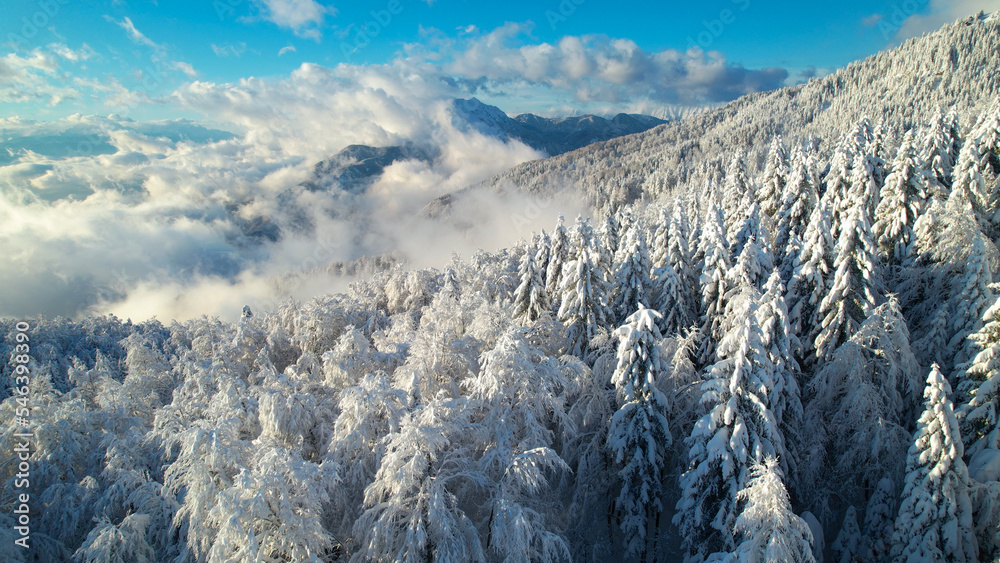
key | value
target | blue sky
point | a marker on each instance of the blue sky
(132, 57)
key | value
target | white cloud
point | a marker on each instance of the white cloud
(229, 50)
(76, 55)
(599, 68)
(304, 17)
(35, 76)
(186, 68)
(286, 49)
(938, 13)
(134, 34)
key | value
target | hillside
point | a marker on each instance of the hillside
(953, 68)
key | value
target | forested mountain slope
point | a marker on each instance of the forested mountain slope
(955, 67)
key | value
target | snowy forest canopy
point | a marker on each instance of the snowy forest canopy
(793, 358)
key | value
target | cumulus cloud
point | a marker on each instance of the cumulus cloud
(317, 111)
(35, 75)
(600, 68)
(940, 12)
(304, 17)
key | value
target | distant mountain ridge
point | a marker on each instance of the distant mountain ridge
(357, 166)
(551, 135)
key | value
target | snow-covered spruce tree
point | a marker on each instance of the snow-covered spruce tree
(849, 543)
(767, 528)
(751, 228)
(880, 516)
(985, 497)
(679, 251)
(584, 307)
(672, 300)
(811, 277)
(862, 134)
(970, 304)
(750, 268)
(987, 136)
(675, 279)
(852, 294)
(610, 236)
(661, 239)
(559, 254)
(738, 430)
(979, 390)
(798, 202)
(531, 300)
(639, 436)
(714, 284)
(582, 236)
(937, 151)
(899, 207)
(632, 285)
(781, 344)
(776, 170)
(935, 516)
(738, 194)
(838, 183)
(412, 512)
(542, 242)
(865, 183)
(878, 154)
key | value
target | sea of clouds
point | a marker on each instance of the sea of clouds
(174, 219)
(178, 218)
